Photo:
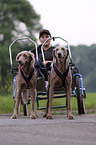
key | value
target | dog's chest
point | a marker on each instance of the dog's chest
(58, 82)
(24, 86)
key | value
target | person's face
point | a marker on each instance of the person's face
(43, 39)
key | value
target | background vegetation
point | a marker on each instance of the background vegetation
(18, 18)
(84, 58)
(7, 104)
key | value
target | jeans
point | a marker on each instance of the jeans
(40, 69)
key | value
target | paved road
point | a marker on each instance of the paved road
(59, 131)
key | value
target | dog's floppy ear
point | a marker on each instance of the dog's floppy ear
(17, 57)
(32, 58)
(67, 52)
(54, 57)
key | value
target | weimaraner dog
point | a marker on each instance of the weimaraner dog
(60, 76)
(25, 81)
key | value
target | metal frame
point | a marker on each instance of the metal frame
(10, 47)
(54, 40)
(73, 94)
(44, 93)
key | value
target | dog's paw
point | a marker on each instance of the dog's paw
(45, 115)
(70, 117)
(14, 116)
(49, 117)
(33, 117)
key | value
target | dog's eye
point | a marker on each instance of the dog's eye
(62, 48)
(57, 49)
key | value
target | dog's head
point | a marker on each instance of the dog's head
(60, 54)
(24, 58)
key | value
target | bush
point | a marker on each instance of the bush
(6, 88)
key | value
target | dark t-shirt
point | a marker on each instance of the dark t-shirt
(47, 53)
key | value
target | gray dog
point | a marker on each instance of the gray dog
(25, 81)
(60, 76)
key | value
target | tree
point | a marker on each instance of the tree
(17, 19)
(84, 58)
(90, 81)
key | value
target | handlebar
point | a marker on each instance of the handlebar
(54, 40)
(21, 39)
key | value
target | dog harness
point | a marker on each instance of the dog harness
(63, 77)
(27, 79)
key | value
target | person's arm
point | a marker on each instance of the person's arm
(46, 62)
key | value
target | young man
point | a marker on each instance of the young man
(44, 34)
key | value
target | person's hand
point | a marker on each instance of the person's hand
(48, 62)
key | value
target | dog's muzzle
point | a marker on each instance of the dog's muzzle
(19, 62)
(22, 63)
(60, 58)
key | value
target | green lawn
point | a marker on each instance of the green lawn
(7, 103)
(90, 103)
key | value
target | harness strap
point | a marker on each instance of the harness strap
(63, 77)
(27, 79)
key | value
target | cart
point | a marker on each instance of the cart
(78, 90)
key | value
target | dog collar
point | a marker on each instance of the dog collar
(63, 77)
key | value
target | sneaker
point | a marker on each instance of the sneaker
(46, 84)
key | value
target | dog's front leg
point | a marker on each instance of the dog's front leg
(16, 105)
(68, 94)
(19, 106)
(46, 112)
(32, 94)
(50, 98)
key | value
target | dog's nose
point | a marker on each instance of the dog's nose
(59, 55)
(19, 62)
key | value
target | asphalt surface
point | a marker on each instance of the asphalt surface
(59, 131)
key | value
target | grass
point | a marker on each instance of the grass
(90, 103)
(7, 104)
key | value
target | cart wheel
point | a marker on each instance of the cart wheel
(24, 110)
(83, 104)
(80, 98)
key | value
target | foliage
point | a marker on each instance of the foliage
(84, 58)
(17, 19)
(8, 85)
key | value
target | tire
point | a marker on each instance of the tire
(83, 105)
(80, 98)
